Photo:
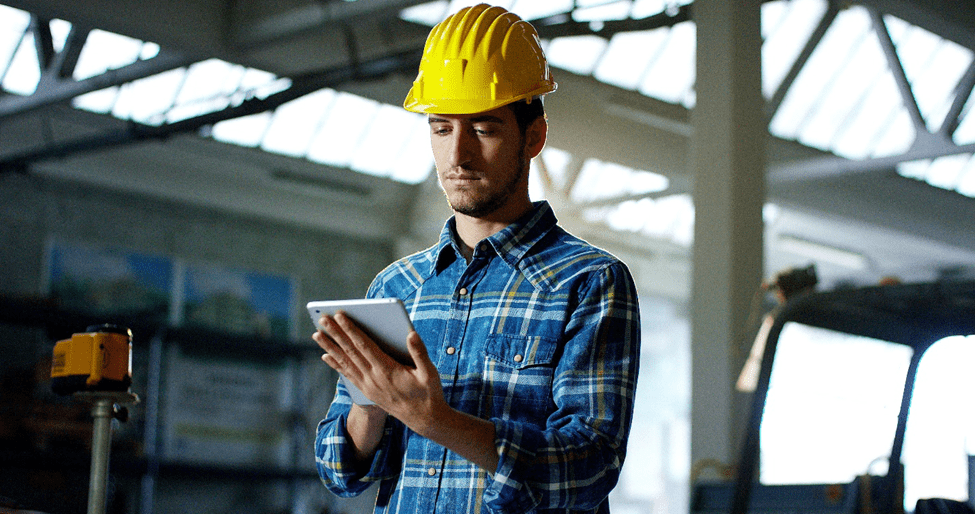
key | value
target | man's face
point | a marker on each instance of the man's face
(481, 161)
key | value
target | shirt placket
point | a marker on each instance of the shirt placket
(456, 332)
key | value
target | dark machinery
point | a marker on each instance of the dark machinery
(915, 315)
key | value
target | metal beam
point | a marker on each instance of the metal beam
(135, 132)
(897, 70)
(43, 42)
(811, 169)
(814, 39)
(562, 25)
(951, 19)
(963, 91)
(67, 59)
(57, 91)
(305, 18)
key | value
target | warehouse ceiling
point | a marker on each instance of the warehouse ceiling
(870, 173)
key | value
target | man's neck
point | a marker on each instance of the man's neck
(471, 230)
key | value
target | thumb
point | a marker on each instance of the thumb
(418, 351)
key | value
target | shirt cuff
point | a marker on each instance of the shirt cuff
(508, 490)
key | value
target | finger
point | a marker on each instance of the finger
(421, 358)
(322, 339)
(363, 349)
(335, 357)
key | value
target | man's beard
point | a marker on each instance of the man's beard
(480, 207)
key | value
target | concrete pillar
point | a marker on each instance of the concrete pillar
(728, 165)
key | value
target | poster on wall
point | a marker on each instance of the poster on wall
(226, 411)
(235, 301)
(101, 280)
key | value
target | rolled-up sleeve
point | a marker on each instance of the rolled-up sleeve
(335, 454)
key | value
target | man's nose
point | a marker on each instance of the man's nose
(461, 144)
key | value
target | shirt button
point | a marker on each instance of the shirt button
(518, 358)
(431, 471)
(484, 247)
(462, 291)
(451, 350)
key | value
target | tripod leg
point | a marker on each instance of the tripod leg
(101, 447)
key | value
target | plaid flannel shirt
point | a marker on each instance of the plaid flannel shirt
(539, 334)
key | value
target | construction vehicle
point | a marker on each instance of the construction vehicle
(911, 316)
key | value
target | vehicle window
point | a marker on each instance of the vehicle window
(940, 437)
(832, 406)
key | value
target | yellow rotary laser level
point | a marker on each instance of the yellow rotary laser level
(100, 359)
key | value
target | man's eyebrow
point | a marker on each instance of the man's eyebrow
(486, 118)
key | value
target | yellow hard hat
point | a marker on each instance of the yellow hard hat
(478, 59)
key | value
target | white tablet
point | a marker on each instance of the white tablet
(384, 319)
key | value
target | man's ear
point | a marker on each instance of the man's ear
(535, 137)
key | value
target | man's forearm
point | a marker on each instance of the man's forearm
(365, 426)
(470, 437)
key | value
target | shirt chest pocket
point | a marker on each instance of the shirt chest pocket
(518, 372)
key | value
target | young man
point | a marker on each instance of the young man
(527, 339)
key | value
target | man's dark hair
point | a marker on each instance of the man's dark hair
(527, 112)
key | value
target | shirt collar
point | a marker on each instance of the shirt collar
(511, 243)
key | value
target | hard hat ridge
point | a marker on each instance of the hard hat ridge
(478, 59)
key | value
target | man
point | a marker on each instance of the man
(527, 339)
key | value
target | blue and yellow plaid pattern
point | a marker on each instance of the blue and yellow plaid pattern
(539, 333)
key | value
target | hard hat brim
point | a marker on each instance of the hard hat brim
(467, 106)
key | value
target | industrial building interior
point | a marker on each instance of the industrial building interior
(199, 170)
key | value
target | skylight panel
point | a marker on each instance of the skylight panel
(803, 96)
(556, 164)
(644, 8)
(59, 33)
(671, 75)
(259, 83)
(600, 180)
(383, 140)
(294, 123)
(100, 101)
(105, 51)
(534, 9)
(578, 54)
(965, 133)
(864, 62)
(429, 13)
(945, 172)
(416, 160)
(207, 87)
(896, 136)
(342, 129)
(966, 180)
(952, 172)
(833, 63)
(244, 131)
(864, 128)
(935, 90)
(601, 10)
(146, 99)
(914, 169)
(13, 23)
(933, 67)
(456, 5)
(669, 218)
(772, 15)
(24, 71)
(786, 27)
(628, 55)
